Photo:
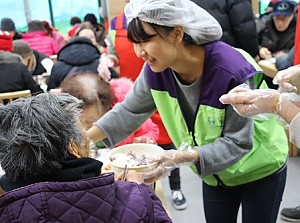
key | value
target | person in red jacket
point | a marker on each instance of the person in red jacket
(38, 39)
(75, 23)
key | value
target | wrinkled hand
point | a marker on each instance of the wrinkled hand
(265, 53)
(103, 68)
(132, 176)
(143, 139)
(247, 102)
(288, 79)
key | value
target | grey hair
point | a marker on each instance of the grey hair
(35, 134)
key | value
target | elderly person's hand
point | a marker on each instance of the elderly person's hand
(288, 79)
(249, 102)
(132, 176)
(265, 53)
(143, 139)
(169, 160)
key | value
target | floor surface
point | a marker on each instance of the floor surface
(192, 188)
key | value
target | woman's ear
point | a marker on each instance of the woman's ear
(178, 34)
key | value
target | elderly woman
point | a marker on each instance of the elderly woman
(42, 141)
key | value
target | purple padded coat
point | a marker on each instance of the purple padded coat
(92, 200)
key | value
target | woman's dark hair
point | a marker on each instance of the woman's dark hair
(90, 17)
(137, 34)
(35, 134)
(75, 20)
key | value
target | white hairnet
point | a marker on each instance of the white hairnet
(197, 22)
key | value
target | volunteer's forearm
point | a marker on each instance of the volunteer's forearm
(96, 134)
(287, 110)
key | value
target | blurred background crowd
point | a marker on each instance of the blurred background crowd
(64, 49)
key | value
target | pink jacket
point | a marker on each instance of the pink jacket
(59, 39)
(121, 87)
(39, 41)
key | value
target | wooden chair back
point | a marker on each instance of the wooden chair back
(10, 96)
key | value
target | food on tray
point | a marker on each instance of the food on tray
(131, 159)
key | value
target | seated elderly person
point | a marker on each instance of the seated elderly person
(276, 32)
(13, 74)
(79, 55)
(99, 97)
(44, 154)
(38, 39)
(37, 63)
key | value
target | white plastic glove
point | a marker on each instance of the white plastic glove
(247, 102)
(169, 160)
(103, 68)
(288, 79)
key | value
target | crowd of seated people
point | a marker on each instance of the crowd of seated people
(42, 41)
(14, 75)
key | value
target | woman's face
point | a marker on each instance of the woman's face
(89, 34)
(160, 52)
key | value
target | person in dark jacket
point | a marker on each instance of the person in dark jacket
(45, 155)
(276, 32)
(13, 73)
(79, 55)
(7, 24)
(37, 63)
(237, 21)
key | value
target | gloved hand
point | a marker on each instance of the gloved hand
(103, 68)
(168, 161)
(247, 102)
(288, 79)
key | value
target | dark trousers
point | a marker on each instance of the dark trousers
(260, 200)
(174, 178)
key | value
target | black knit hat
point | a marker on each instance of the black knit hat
(7, 24)
(22, 48)
(90, 17)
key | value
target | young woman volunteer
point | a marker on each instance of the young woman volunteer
(187, 69)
